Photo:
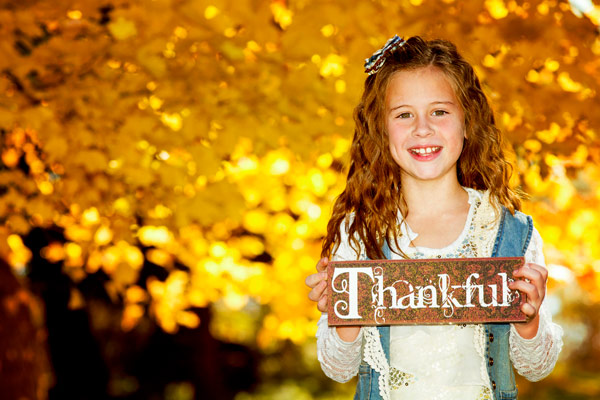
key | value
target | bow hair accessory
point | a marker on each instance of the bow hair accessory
(376, 61)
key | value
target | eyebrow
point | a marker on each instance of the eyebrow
(433, 103)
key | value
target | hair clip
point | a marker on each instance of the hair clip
(375, 62)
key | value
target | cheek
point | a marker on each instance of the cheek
(397, 133)
(395, 142)
(456, 132)
(459, 143)
(460, 148)
(395, 147)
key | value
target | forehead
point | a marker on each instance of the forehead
(422, 85)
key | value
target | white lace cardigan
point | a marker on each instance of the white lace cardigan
(532, 358)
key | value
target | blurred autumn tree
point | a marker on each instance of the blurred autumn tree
(188, 152)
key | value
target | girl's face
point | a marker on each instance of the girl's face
(425, 124)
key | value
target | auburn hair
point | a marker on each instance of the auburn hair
(369, 205)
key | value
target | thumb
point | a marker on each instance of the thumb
(322, 264)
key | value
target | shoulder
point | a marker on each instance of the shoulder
(486, 212)
(345, 225)
(345, 251)
(483, 202)
(516, 230)
(523, 218)
(535, 249)
(476, 194)
(518, 222)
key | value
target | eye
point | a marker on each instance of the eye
(404, 115)
(440, 113)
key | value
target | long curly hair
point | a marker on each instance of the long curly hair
(368, 207)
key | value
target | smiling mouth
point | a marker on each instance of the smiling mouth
(425, 150)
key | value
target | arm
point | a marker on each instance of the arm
(339, 359)
(338, 349)
(534, 346)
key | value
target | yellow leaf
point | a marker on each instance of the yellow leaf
(131, 316)
(91, 159)
(124, 275)
(122, 28)
(56, 147)
(496, 8)
(76, 300)
(188, 319)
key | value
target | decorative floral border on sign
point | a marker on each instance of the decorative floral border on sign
(439, 291)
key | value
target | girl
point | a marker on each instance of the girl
(428, 179)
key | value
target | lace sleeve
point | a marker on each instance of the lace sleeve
(535, 358)
(339, 359)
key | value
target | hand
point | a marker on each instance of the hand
(318, 285)
(319, 292)
(534, 287)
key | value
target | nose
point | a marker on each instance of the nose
(422, 127)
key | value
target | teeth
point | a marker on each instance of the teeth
(425, 150)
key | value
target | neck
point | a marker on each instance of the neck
(432, 197)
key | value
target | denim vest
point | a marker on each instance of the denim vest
(514, 234)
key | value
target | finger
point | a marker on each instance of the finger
(532, 306)
(322, 304)
(322, 264)
(317, 292)
(529, 310)
(527, 288)
(535, 274)
(314, 279)
(324, 294)
(528, 273)
(541, 269)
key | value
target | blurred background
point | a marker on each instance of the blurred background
(168, 168)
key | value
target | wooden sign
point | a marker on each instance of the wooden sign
(438, 291)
